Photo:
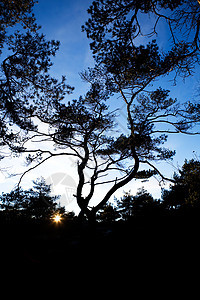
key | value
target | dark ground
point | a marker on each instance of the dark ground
(140, 254)
(138, 241)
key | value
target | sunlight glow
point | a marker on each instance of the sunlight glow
(57, 218)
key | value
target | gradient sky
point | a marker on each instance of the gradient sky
(61, 20)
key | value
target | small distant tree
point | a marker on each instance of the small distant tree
(108, 214)
(125, 206)
(185, 193)
(142, 204)
(41, 204)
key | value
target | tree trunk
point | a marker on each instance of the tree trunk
(90, 214)
(119, 185)
(92, 218)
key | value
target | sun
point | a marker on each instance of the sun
(57, 218)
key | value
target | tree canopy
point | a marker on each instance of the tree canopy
(114, 25)
(17, 11)
(24, 78)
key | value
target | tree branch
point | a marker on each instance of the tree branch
(30, 169)
(120, 184)
(158, 172)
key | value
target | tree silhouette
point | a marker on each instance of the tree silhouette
(142, 204)
(35, 204)
(117, 24)
(127, 70)
(185, 193)
(79, 129)
(85, 130)
(108, 214)
(24, 79)
(16, 11)
(125, 206)
(41, 204)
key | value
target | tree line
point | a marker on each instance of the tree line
(34, 205)
(181, 199)
(38, 205)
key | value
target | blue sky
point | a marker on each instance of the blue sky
(61, 20)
